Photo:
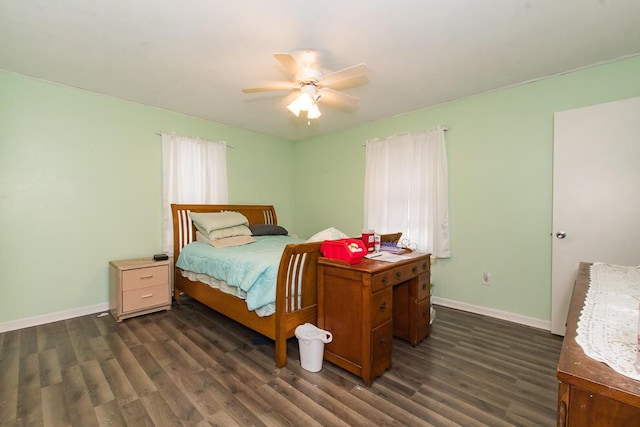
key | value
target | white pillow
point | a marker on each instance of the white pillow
(225, 241)
(237, 230)
(208, 221)
(327, 234)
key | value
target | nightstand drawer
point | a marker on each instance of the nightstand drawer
(144, 297)
(145, 277)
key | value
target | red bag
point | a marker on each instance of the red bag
(348, 250)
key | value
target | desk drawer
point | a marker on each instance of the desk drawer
(381, 307)
(424, 286)
(398, 275)
(142, 298)
(424, 313)
(145, 277)
(382, 345)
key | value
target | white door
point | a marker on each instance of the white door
(596, 194)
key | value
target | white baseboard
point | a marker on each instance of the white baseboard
(490, 312)
(27, 322)
(97, 308)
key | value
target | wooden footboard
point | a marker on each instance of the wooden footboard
(296, 288)
(296, 293)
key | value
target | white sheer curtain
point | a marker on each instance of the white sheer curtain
(406, 189)
(193, 171)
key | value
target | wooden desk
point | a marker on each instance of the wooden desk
(590, 393)
(366, 304)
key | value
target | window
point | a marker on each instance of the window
(406, 189)
(194, 171)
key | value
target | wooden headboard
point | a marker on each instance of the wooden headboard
(184, 231)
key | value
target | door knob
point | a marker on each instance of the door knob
(561, 234)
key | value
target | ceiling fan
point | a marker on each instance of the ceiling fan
(313, 85)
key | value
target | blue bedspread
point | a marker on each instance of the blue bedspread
(252, 267)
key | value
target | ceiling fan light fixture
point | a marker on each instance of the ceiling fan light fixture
(314, 112)
(310, 81)
(304, 102)
(294, 108)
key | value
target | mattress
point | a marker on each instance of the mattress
(248, 271)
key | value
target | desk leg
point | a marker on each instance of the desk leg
(563, 404)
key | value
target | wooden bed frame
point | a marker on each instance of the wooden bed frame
(296, 289)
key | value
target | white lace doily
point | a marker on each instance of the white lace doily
(608, 325)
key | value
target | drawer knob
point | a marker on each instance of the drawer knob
(146, 296)
(414, 270)
(424, 265)
(383, 307)
(398, 275)
(424, 286)
(146, 277)
(383, 343)
(384, 280)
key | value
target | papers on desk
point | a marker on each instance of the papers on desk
(386, 257)
(391, 248)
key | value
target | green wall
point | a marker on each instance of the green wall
(81, 184)
(500, 148)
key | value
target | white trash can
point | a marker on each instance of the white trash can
(312, 340)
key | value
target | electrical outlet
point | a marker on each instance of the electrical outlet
(486, 276)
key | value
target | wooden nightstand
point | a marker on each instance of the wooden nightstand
(138, 286)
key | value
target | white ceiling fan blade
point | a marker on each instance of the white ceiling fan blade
(339, 99)
(271, 87)
(345, 74)
(350, 83)
(288, 62)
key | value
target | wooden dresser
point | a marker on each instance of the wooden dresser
(139, 286)
(590, 393)
(365, 305)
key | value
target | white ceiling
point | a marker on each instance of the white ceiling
(195, 56)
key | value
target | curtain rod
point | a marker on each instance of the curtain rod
(409, 132)
(160, 132)
(445, 128)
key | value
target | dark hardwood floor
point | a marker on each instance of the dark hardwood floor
(193, 367)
